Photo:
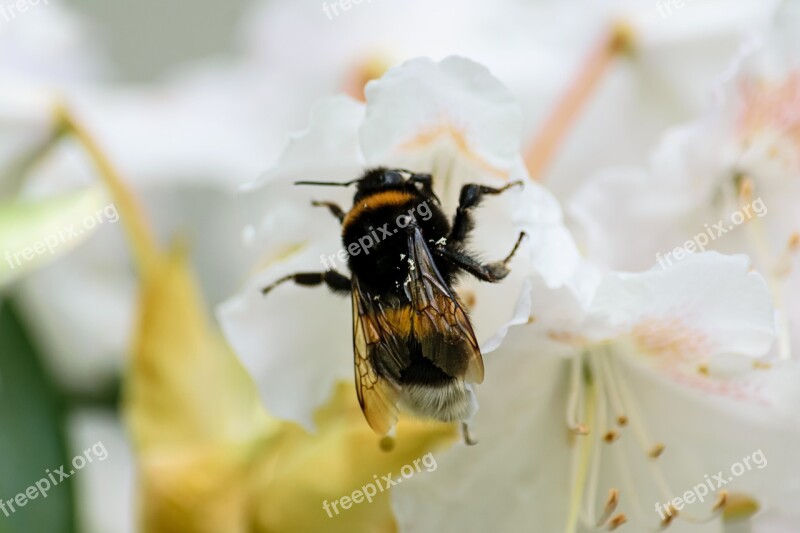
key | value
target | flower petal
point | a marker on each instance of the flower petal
(296, 341)
(693, 304)
(279, 212)
(451, 118)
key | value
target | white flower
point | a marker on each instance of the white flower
(728, 181)
(223, 122)
(49, 46)
(641, 394)
(672, 56)
(451, 119)
(671, 61)
(42, 57)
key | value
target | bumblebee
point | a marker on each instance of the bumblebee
(414, 346)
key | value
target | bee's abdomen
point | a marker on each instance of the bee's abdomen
(430, 392)
(448, 402)
(422, 371)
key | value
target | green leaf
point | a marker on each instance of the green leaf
(34, 232)
(31, 436)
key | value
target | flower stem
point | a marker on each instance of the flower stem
(15, 175)
(139, 234)
(544, 147)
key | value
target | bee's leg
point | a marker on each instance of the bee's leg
(335, 210)
(471, 196)
(338, 283)
(468, 440)
(491, 272)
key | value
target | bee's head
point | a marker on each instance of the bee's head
(381, 179)
(384, 178)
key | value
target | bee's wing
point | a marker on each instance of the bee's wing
(376, 395)
(440, 323)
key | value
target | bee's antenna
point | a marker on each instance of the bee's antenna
(328, 183)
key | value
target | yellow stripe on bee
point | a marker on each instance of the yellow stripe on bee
(379, 199)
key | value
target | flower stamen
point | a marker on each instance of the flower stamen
(739, 506)
(617, 521)
(671, 513)
(757, 235)
(745, 189)
(783, 266)
(544, 147)
(611, 506)
(614, 396)
(576, 399)
(656, 451)
(722, 500)
(587, 492)
(581, 457)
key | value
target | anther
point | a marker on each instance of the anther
(580, 429)
(794, 242)
(617, 521)
(469, 299)
(611, 436)
(722, 499)
(746, 188)
(656, 451)
(611, 506)
(739, 506)
(671, 513)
